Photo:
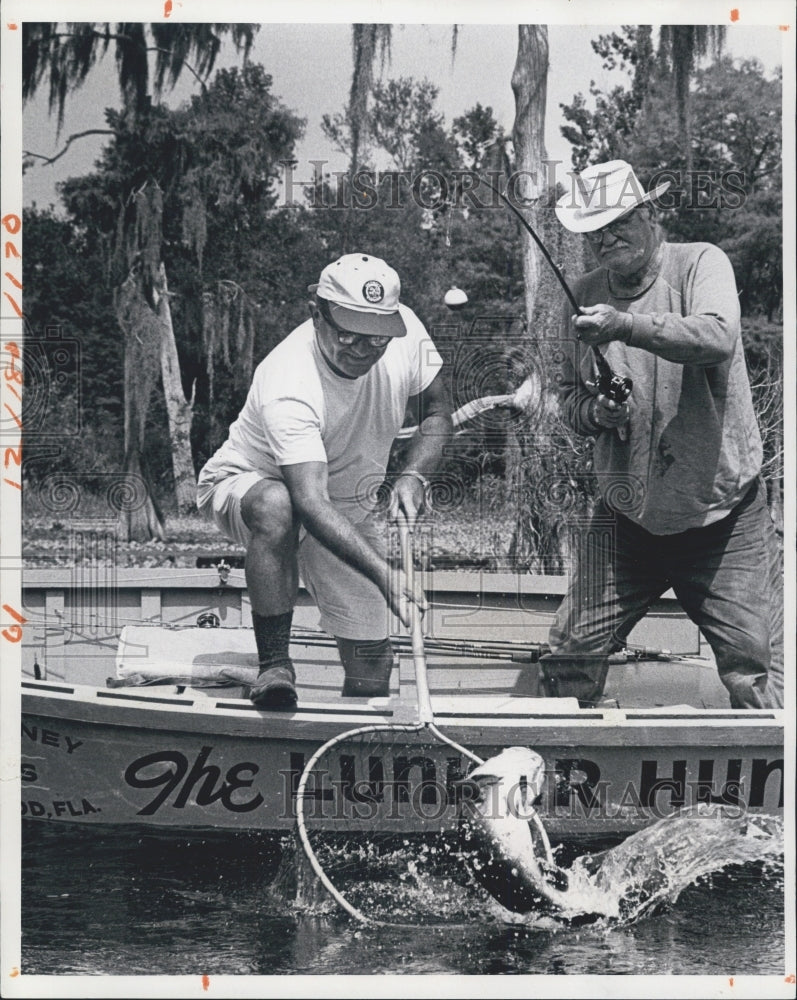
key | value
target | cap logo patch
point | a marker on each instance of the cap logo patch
(373, 291)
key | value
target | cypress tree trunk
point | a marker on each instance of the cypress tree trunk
(142, 308)
(547, 466)
(178, 408)
(530, 86)
(142, 353)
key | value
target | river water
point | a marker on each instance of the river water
(120, 903)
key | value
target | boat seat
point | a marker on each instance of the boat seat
(197, 657)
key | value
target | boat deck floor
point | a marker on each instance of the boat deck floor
(225, 657)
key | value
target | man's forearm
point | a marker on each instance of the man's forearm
(339, 535)
(428, 444)
(575, 398)
(706, 332)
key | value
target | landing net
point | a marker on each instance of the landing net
(392, 779)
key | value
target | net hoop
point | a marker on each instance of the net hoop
(425, 722)
(300, 822)
(388, 727)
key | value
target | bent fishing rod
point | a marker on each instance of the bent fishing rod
(614, 387)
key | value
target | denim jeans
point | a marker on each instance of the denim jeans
(727, 577)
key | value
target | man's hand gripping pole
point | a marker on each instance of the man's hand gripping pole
(614, 387)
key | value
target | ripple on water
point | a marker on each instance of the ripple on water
(122, 904)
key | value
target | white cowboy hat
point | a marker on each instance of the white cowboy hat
(602, 193)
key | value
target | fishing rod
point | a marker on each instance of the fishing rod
(613, 386)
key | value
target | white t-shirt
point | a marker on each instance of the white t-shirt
(299, 410)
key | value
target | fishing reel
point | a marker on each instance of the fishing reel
(615, 387)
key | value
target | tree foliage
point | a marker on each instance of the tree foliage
(64, 54)
(214, 163)
(72, 410)
(607, 131)
(681, 46)
(477, 133)
(729, 191)
(404, 123)
(239, 256)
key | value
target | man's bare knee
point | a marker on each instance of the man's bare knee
(267, 512)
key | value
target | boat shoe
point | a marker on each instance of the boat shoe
(275, 687)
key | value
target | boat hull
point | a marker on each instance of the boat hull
(124, 729)
(180, 758)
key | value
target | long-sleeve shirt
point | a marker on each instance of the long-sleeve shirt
(692, 444)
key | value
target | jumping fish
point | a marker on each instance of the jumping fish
(507, 851)
(504, 851)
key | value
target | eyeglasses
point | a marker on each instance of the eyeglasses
(346, 338)
(616, 228)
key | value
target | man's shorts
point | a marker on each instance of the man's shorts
(351, 606)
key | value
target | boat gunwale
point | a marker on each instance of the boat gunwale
(203, 715)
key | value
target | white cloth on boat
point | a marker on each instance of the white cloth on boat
(197, 656)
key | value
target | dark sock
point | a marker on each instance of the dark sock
(273, 638)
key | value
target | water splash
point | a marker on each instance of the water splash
(650, 869)
(413, 882)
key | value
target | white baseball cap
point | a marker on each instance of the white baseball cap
(362, 293)
(601, 194)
